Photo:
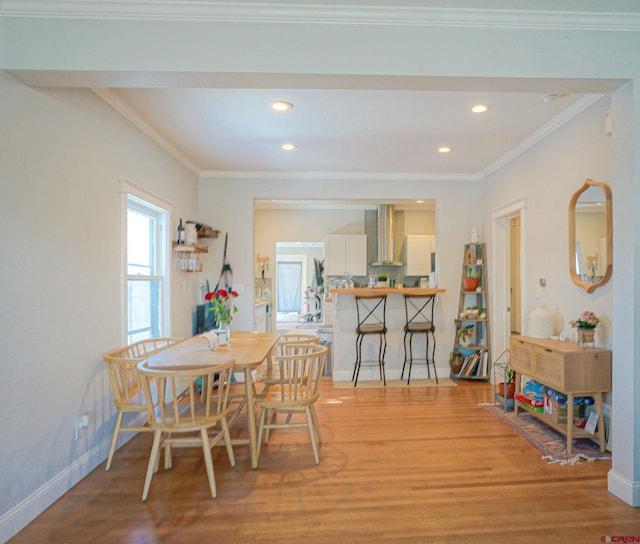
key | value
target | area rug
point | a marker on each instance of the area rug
(377, 384)
(548, 441)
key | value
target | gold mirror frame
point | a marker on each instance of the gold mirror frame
(590, 287)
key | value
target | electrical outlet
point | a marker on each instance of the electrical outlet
(81, 423)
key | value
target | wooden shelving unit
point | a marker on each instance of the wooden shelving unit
(473, 314)
(567, 369)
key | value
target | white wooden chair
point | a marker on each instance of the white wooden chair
(121, 365)
(267, 373)
(191, 412)
(296, 392)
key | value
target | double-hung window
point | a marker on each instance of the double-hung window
(147, 285)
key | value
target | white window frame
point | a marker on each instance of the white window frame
(161, 209)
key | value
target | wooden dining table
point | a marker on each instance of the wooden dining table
(248, 348)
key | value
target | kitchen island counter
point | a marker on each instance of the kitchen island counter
(344, 333)
(386, 291)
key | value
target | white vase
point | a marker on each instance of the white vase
(224, 334)
(540, 323)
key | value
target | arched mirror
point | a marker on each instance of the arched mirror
(590, 236)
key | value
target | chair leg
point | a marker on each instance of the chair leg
(168, 461)
(410, 357)
(153, 456)
(314, 446)
(356, 370)
(316, 425)
(383, 345)
(270, 418)
(433, 356)
(208, 462)
(227, 441)
(114, 439)
(263, 414)
(404, 345)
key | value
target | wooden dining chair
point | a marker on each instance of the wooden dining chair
(267, 373)
(191, 412)
(121, 366)
(296, 392)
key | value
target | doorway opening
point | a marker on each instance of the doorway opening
(299, 282)
(515, 293)
(508, 263)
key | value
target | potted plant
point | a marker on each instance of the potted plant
(586, 324)
(471, 281)
(507, 389)
(465, 334)
(382, 280)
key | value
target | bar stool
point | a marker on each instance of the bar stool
(419, 320)
(371, 314)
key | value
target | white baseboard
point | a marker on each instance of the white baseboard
(623, 488)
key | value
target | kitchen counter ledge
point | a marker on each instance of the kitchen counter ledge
(386, 291)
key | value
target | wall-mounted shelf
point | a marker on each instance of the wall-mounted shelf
(197, 248)
(207, 232)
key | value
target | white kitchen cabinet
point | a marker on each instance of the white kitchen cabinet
(417, 254)
(346, 255)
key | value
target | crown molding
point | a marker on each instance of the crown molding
(125, 110)
(337, 176)
(565, 116)
(266, 12)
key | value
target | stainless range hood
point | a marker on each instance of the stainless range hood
(385, 237)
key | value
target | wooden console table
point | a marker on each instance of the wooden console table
(567, 369)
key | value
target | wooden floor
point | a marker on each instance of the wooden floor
(398, 466)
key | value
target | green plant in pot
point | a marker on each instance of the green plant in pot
(465, 334)
(507, 388)
(472, 279)
(382, 279)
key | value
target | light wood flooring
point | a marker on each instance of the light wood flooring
(396, 466)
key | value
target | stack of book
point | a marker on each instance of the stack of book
(475, 365)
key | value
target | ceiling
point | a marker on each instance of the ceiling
(346, 132)
(344, 125)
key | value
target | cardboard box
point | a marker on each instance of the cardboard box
(558, 411)
(533, 404)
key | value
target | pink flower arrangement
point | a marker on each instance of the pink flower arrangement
(222, 305)
(587, 320)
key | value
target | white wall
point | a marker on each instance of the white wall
(547, 175)
(299, 225)
(63, 153)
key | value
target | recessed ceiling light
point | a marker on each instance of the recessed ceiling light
(479, 108)
(444, 149)
(281, 105)
(419, 201)
(288, 146)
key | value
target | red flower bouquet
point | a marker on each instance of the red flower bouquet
(222, 305)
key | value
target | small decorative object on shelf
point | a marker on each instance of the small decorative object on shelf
(465, 334)
(586, 324)
(455, 362)
(180, 233)
(471, 281)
